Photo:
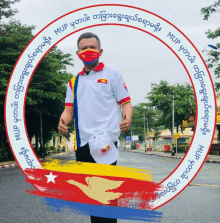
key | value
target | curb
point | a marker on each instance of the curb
(9, 165)
(207, 161)
(173, 157)
(15, 163)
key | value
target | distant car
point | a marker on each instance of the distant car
(148, 149)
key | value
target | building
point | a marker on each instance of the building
(164, 138)
(59, 142)
(215, 149)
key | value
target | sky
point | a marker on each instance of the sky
(140, 58)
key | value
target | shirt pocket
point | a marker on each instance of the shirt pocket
(102, 88)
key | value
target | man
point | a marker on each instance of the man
(94, 99)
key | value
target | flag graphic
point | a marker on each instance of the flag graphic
(106, 186)
(102, 80)
(105, 150)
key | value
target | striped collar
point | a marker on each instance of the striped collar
(98, 68)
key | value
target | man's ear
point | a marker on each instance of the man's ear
(101, 51)
(77, 52)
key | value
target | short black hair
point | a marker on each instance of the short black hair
(88, 35)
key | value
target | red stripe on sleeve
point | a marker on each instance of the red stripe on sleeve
(124, 100)
(70, 105)
(70, 84)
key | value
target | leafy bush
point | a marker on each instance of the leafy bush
(133, 146)
(52, 149)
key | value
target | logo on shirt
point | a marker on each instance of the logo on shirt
(125, 86)
(102, 80)
(105, 150)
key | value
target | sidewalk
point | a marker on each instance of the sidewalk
(210, 158)
(9, 164)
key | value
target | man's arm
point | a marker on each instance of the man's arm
(65, 119)
(127, 115)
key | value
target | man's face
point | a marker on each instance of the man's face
(90, 43)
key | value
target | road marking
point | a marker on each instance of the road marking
(207, 177)
(136, 160)
(192, 184)
(163, 172)
(148, 160)
(205, 185)
(166, 160)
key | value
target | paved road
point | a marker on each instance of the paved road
(199, 202)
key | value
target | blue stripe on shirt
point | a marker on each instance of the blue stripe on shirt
(76, 112)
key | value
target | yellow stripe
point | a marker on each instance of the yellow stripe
(82, 51)
(73, 83)
(97, 169)
(75, 143)
(125, 102)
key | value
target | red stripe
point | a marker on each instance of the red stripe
(69, 105)
(82, 72)
(98, 68)
(70, 84)
(124, 100)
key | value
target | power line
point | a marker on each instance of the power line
(149, 67)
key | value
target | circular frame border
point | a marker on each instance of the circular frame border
(129, 27)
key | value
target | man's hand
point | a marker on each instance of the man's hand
(62, 127)
(125, 124)
(65, 119)
(127, 114)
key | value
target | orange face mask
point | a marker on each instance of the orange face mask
(89, 56)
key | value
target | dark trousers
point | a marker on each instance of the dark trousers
(83, 155)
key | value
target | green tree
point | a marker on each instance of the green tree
(143, 113)
(213, 60)
(5, 8)
(161, 97)
(5, 12)
(13, 38)
(46, 94)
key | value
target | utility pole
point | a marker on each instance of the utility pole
(148, 133)
(41, 136)
(173, 124)
(145, 118)
(144, 132)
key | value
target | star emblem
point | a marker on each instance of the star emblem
(51, 177)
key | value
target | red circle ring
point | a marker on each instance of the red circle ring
(124, 26)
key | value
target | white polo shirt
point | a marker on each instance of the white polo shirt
(96, 99)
